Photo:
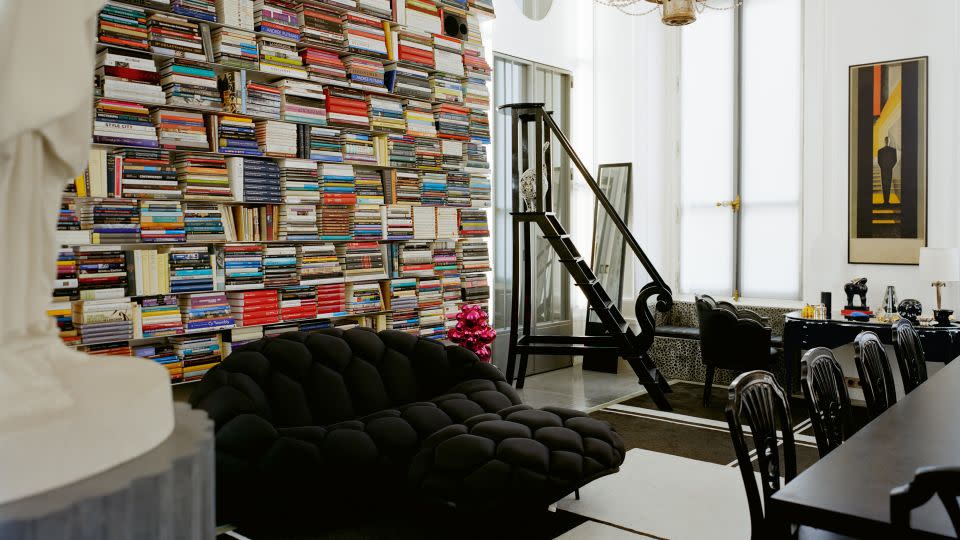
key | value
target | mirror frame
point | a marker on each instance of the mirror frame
(618, 295)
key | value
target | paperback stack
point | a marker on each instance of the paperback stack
(362, 261)
(337, 184)
(415, 47)
(429, 154)
(203, 222)
(146, 174)
(113, 221)
(458, 188)
(408, 188)
(241, 336)
(446, 88)
(476, 158)
(243, 266)
(398, 221)
(335, 221)
(453, 121)
(255, 224)
(364, 34)
(479, 127)
(180, 129)
(416, 259)
(444, 256)
(160, 316)
(122, 122)
(263, 100)
(331, 299)
(190, 269)
(303, 102)
(62, 313)
(378, 8)
(473, 256)
(103, 321)
(101, 272)
(475, 94)
(366, 222)
(402, 151)
(447, 222)
(448, 55)
(403, 303)
(149, 272)
(424, 222)
(422, 15)
(452, 155)
(364, 298)
(473, 223)
(479, 191)
(254, 308)
(280, 266)
(128, 76)
(113, 348)
(412, 82)
(191, 84)
(319, 26)
(420, 122)
(346, 108)
(386, 114)
(298, 303)
(430, 303)
(277, 17)
(369, 187)
(163, 354)
(313, 263)
(234, 135)
(161, 222)
(365, 73)
(484, 6)
(358, 147)
(197, 354)
(206, 312)
(123, 25)
(236, 13)
(255, 180)
(280, 57)
(66, 286)
(298, 181)
(200, 9)
(298, 222)
(324, 66)
(434, 186)
(235, 48)
(476, 290)
(278, 139)
(175, 36)
(203, 177)
(324, 145)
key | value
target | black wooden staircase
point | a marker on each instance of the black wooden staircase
(532, 154)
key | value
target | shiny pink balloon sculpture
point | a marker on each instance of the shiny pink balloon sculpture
(473, 332)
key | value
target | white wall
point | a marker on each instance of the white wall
(841, 34)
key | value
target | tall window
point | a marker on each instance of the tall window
(741, 136)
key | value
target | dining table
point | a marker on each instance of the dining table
(848, 490)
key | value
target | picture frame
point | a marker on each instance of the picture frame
(888, 152)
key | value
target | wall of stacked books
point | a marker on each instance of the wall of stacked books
(262, 166)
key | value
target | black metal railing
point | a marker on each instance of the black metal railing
(544, 126)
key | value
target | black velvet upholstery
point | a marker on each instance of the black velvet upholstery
(332, 421)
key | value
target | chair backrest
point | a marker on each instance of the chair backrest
(825, 390)
(876, 377)
(910, 357)
(756, 397)
(732, 338)
(927, 482)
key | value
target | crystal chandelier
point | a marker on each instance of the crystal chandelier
(672, 12)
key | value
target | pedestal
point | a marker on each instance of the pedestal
(164, 494)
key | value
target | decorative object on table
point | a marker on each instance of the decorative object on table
(672, 12)
(608, 254)
(856, 287)
(826, 298)
(473, 332)
(890, 300)
(910, 309)
(939, 266)
(888, 141)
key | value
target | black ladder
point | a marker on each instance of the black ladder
(620, 337)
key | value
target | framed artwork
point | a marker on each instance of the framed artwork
(888, 162)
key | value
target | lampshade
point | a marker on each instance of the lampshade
(940, 264)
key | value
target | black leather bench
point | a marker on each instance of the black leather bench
(692, 332)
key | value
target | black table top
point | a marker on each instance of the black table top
(848, 491)
(866, 325)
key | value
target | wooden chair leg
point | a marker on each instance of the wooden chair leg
(708, 386)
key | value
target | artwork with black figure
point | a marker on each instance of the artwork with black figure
(910, 356)
(876, 377)
(326, 425)
(944, 482)
(731, 338)
(825, 390)
(886, 159)
(756, 397)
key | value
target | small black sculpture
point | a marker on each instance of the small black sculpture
(858, 287)
(910, 309)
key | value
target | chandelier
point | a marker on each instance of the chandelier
(672, 12)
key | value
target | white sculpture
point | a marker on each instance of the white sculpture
(64, 415)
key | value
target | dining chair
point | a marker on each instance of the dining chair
(825, 390)
(876, 378)
(910, 356)
(731, 338)
(943, 482)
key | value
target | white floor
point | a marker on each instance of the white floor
(593, 530)
(576, 388)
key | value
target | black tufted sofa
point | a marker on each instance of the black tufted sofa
(334, 423)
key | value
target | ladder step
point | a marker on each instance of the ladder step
(571, 349)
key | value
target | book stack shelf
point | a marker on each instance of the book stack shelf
(265, 167)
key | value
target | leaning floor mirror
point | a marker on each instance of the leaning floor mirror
(608, 251)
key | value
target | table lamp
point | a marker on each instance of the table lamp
(940, 266)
